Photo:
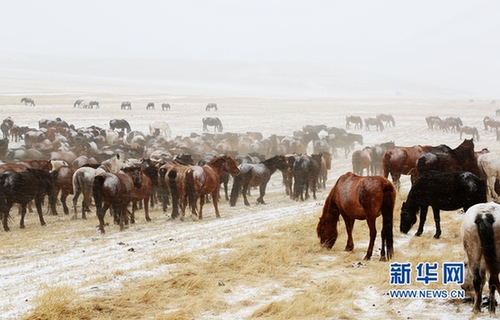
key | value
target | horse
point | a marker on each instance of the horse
(150, 106)
(452, 124)
(211, 106)
(359, 198)
(305, 174)
(165, 106)
(93, 104)
(162, 127)
(443, 158)
(143, 194)
(361, 160)
(345, 141)
(399, 161)
(480, 230)
(83, 179)
(126, 105)
(433, 122)
(120, 124)
(358, 123)
(77, 103)
(256, 175)
(115, 190)
(489, 168)
(212, 122)
(6, 126)
(387, 118)
(64, 184)
(442, 191)
(203, 180)
(374, 122)
(469, 130)
(313, 128)
(23, 187)
(27, 101)
(326, 164)
(378, 151)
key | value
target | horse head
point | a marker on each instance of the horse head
(327, 231)
(408, 219)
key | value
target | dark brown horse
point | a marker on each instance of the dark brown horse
(359, 198)
(401, 161)
(115, 189)
(361, 161)
(142, 193)
(203, 180)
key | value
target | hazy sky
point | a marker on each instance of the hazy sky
(449, 43)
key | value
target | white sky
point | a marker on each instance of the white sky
(452, 43)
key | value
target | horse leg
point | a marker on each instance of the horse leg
(478, 283)
(349, 225)
(423, 216)
(75, 202)
(215, 200)
(63, 201)
(23, 213)
(373, 235)
(491, 185)
(244, 193)
(146, 210)
(38, 203)
(437, 221)
(262, 190)
(101, 212)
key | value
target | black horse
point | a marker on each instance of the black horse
(442, 191)
(150, 106)
(93, 104)
(120, 124)
(212, 122)
(305, 174)
(5, 127)
(165, 106)
(27, 101)
(211, 106)
(23, 187)
(126, 105)
(256, 175)
(57, 122)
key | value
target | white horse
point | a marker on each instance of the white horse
(162, 126)
(489, 167)
(481, 240)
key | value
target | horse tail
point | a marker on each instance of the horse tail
(96, 191)
(487, 236)
(172, 185)
(386, 164)
(387, 209)
(235, 191)
(356, 163)
(190, 189)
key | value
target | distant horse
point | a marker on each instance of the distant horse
(162, 127)
(120, 124)
(387, 118)
(212, 122)
(6, 126)
(83, 179)
(345, 141)
(432, 121)
(359, 198)
(361, 160)
(126, 105)
(469, 130)
(442, 191)
(115, 190)
(203, 180)
(374, 122)
(480, 231)
(326, 164)
(452, 124)
(489, 168)
(305, 175)
(165, 106)
(256, 175)
(211, 106)
(150, 106)
(93, 104)
(378, 151)
(445, 159)
(23, 187)
(490, 124)
(314, 128)
(77, 103)
(358, 123)
(27, 101)
(497, 112)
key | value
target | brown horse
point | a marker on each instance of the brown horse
(359, 198)
(387, 118)
(203, 180)
(358, 123)
(115, 189)
(402, 161)
(142, 193)
(361, 160)
(326, 164)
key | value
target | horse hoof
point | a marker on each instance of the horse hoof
(436, 236)
(418, 234)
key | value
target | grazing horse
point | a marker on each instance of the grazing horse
(361, 160)
(212, 122)
(469, 130)
(115, 190)
(452, 124)
(359, 198)
(165, 106)
(203, 180)
(374, 122)
(305, 174)
(358, 123)
(387, 118)
(480, 237)
(489, 168)
(22, 187)
(433, 122)
(120, 124)
(313, 128)
(27, 101)
(211, 106)
(150, 106)
(162, 127)
(6, 126)
(442, 191)
(93, 104)
(77, 103)
(83, 179)
(126, 105)
(256, 175)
